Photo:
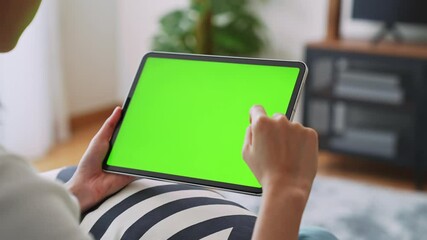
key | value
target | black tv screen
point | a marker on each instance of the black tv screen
(391, 11)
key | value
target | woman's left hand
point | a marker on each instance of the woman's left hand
(90, 184)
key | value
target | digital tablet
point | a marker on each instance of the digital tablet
(185, 117)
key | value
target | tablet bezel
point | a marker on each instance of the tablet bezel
(195, 181)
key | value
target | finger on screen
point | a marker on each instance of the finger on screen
(256, 112)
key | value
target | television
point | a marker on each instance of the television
(391, 12)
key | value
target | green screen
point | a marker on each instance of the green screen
(189, 118)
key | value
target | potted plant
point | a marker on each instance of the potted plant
(220, 27)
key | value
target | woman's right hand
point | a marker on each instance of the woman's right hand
(283, 157)
(280, 153)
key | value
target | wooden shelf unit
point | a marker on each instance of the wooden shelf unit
(325, 60)
(392, 49)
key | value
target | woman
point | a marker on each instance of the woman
(282, 155)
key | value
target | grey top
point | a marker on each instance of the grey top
(32, 207)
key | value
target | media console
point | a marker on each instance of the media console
(369, 101)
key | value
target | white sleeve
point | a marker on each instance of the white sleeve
(32, 207)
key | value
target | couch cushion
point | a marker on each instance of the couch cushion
(162, 210)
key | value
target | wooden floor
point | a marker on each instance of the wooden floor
(70, 152)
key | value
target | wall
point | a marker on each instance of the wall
(89, 43)
(138, 22)
(26, 77)
(291, 24)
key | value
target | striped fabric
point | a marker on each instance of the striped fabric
(148, 209)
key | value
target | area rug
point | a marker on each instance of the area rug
(357, 211)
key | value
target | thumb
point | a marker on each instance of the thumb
(109, 125)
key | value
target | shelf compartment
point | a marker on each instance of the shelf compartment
(327, 94)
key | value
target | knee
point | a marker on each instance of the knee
(315, 233)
